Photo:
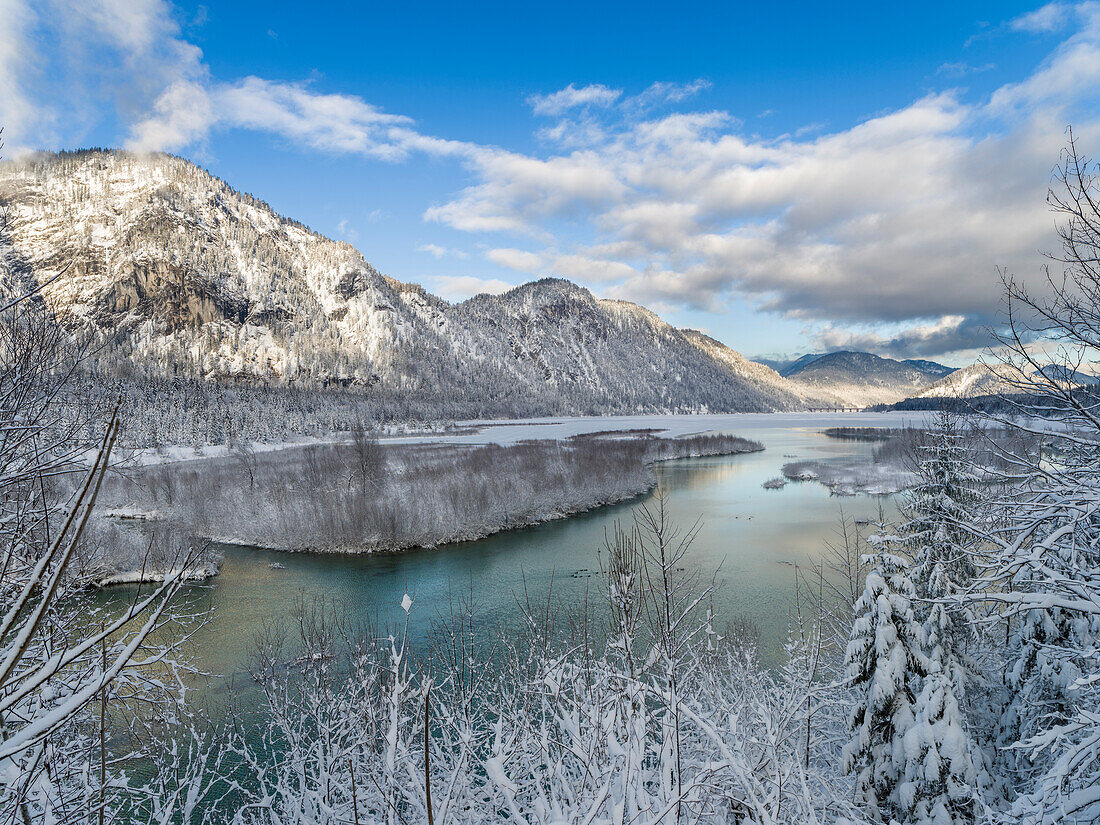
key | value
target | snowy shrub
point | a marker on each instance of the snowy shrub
(359, 496)
(63, 660)
(662, 721)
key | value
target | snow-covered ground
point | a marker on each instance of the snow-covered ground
(198, 572)
(890, 468)
(848, 479)
(148, 456)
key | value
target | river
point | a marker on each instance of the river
(748, 541)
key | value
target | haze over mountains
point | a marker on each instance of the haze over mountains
(178, 272)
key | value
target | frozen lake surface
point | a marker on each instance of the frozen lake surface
(749, 539)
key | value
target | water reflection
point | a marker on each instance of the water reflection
(748, 540)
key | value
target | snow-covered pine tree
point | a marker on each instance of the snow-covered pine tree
(940, 510)
(940, 778)
(1053, 656)
(884, 658)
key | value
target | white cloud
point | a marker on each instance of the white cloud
(556, 103)
(129, 51)
(895, 220)
(579, 111)
(675, 92)
(187, 111)
(516, 191)
(1071, 72)
(961, 68)
(949, 334)
(134, 53)
(573, 134)
(182, 115)
(666, 92)
(1048, 18)
(516, 259)
(460, 287)
(345, 230)
(19, 114)
(437, 251)
(589, 268)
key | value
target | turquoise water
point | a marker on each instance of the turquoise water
(748, 540)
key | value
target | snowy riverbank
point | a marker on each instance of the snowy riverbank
(366, 497)
(891, 467)
(200, 571)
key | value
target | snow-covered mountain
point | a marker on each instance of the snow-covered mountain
(181, 270)
(1068, 375)
(763, 375)
(930, 367)
(973, 381)
(861, 379)
(178, 272)
(791, 367)
(999, 379)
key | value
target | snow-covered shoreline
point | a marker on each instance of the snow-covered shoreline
(892, 467)
(476, 534)
(193, 573)
(850, 479)
(425, 494)
(175, 453)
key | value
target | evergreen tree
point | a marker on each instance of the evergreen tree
(940, 510)
(885, 656)
(940, 779)
(1052, 662)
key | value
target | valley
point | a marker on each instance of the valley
(572, 414)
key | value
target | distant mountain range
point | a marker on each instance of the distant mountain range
(998, 379)
(971, 382)
(861, 378)
(175, 271)
(793, 367)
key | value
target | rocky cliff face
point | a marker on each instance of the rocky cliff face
(180, 272)
(169, 259)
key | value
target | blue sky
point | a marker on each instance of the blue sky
(789, 179)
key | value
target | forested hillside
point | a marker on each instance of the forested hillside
(177, 274)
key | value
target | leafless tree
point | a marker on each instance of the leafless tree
(368, 458)
(59, 654)
(1037, 548)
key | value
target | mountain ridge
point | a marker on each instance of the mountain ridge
(177, 271)
(864, 378)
